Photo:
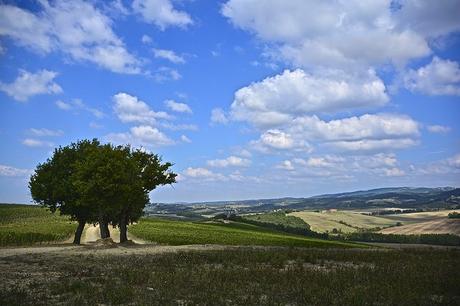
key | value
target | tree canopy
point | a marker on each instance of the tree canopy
(99, 183)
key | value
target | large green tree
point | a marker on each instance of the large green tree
(53, 183)
(95, 183)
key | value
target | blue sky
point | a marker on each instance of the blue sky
(249, 99)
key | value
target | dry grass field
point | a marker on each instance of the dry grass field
(351, 221)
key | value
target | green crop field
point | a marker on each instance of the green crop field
(174, 232)
(351, 221)
(27, 224)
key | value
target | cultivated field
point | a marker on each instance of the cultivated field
(174, 232)
(27, 224)
(231, 276)
(437, 226)
(345, 221)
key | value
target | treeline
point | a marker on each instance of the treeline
(99, 183)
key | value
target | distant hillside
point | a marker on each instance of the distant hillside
(402, 197)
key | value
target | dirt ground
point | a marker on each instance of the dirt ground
(436, 226)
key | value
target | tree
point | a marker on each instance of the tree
(52, 184)
(97, 183)
(146, 173)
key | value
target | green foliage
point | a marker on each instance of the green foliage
(26, 224)
(233, 233)
(94, 183)
(279, 218)
(240, 276)
(454, 215)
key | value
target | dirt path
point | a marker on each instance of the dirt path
(91, 234)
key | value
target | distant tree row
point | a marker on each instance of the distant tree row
(99, 184)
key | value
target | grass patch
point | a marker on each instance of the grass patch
(183, 232)
(27, 224)
(242, 276)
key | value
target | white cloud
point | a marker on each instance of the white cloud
(14, 172)
(45, 132)
(166, 74)
(363, 133)
(438, 129)
(394, 172)
(439, 77)
(145, 39)
(346, 34)
(343, 166)
(203, 174)
(277, 139)
(449, 165)
(130, 109)
(178, 107)
(30, 142)
(185, 139)
(78, 105)
(76, 28)
(218, 116)
(63, 105)
(143, 135)
(161, 13)
(168, 55)
(365, 127)
(277, 100)
(29, 84)
(231, 161)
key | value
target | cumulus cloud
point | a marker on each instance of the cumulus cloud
(218, 116)
(143, 135)
(168, 55)
(178, 107)
(441, 129)
(340, 166)
(78, 105)
(14, 172)
(439, 77)
(346, 34)
(45, 132)
(203, 174)
(129, 108)
(367, 133)
(29, 84)
(161, 13)
(277, 100)
(231, 161)
(76, 28)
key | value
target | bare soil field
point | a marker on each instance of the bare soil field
(440, 225)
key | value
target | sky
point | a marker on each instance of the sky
(248, 98)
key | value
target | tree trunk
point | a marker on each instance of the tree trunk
(79, 232)
(104, 228)
(123, 229)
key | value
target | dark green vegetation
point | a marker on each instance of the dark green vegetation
(454, 215)
(27, 224)
(279, 218)
(99, 183)
(184, 232)
(237, 276)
